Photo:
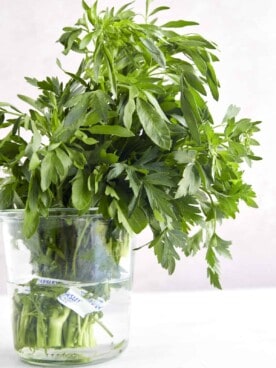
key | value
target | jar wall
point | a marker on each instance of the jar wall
(70, 287)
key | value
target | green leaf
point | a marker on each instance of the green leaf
(248, 195)
(134, 183)
(31, 221)
(189, 211)
(92, 13)
(7, 188)
(179, 24)
(33, 192)
(211, 257)
(81, 195)
(64, 134)
(31, 102)
(68, 39)
(195, 82)
(128, 113)
(78, 158)
(165, 251)
(214, 278)
(159, 200)
(86, 41)
(2, 117)
(194, 243)
(231, 113)
(34, 162)
(109, 158)
(148, 2)
(8, 150)
(155, 127)
(124, 7)
(98, 60)
(116, 208)
(85, 6)
(153, 101)
(111, 70)
(213, 264)
(157, 179)
(115, 130)
(204, 44)
(221, 246)
(197, 58)
(190, 182)
(35, 143)
(212, 81)
(177, 238)
(138, 220)
(228, 205)
(185, 157)
(6, 104)
(190, 110)
(85, 139)
(157, 10)
(48, 171)
(99, 103)
(109, 191)
(155, 52)
(64, 161)
(158, 216)
(116, 171)
(76, 114)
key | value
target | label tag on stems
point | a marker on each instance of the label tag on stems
(80, 301)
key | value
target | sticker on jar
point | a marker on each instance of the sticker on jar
(97, 304)
(23, 289)
(48, 282)
(74, 299)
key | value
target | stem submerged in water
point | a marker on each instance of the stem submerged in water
(78, 244)
(41, 322)
(56, 322)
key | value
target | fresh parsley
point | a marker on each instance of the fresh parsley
(131, 133)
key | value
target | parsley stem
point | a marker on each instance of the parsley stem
(104, 327)
(142, 246)
(79, 241)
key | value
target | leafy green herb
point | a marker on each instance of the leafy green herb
(130, 132)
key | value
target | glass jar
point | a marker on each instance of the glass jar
(70, 287)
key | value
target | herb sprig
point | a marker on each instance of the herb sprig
(130, 132)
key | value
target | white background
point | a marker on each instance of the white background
(246, 36)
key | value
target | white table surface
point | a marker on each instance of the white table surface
(203, 329)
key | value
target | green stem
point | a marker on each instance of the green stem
(142, 246)
(71, 332)
(41, 329)
(80, 239)
(56, 322)
(23, 325)
(104, 327)
(82, 332)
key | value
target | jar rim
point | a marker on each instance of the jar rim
(52, 212)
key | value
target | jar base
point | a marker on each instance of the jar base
(71, 357)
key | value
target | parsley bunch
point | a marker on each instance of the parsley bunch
(130, 133)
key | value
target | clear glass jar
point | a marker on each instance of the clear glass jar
(70, 287)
